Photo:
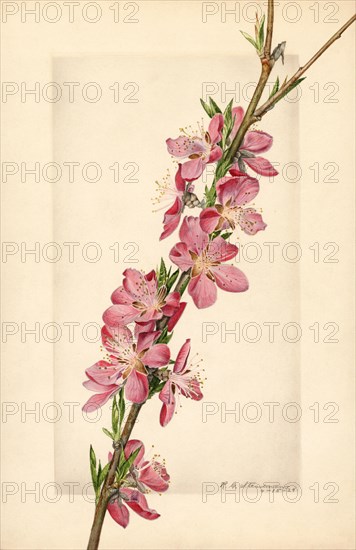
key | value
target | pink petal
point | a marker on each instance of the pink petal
(238, 113)
(209, 219)
(183, 147)
(182, 357)
(221, 182)
(192, 235)
(148, 326)
(115, 339)
(261, 166)
(221, 251)
(229, 278)
(172, 304)
(131, 447)
(146, 339)
(257, 142)
(215, 155)
(235, 171)
(180, 256)
(193, 169)
(120, 296)
(246, 190)
(137, 284)
(194, 390)
(119, 513)
(215, 128)
(120, 314)
(176, 316)
(251, 222)
(157, 356)
(203, 291)
(98, 400)
(151, 478)
(138, 504)
(136, 387)
(103, 373)
(179, 181)
(166, 414)
(171, 219)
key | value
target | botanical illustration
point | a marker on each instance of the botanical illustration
(145, 307)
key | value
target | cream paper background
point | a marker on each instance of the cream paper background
(170, 53)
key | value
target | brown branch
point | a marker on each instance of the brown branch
(267, 64)
(105, 493)
(269, 34)
(106, 490)
(251, 116)
(271, 102)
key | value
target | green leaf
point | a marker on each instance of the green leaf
(291, 87)
(156, 385)
(122, 407)
(162, 274)
(261, 34)
(214, 107)
(172, 279)
(114, 416)
(229, 121)
(207, 108)
(228, 109)
(162, 337)
(210, 195)
(126, 464)
(275, 88)
(226, 235)
(184, 286)
(109, 434)
(250, 39)
(93, 466)
(103, 474)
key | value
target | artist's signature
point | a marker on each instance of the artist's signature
(267, 487)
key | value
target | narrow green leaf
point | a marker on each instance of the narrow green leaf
(261, 34)
(109, 434)
(103, 474)
(206, 108)
(93, 467)
(172, 279)
(214, 107)
(184, 286)
(226, 235)
(291, 87)
(162, 275)
(122, 407)
(228, 109)
(275, 88)
(126, 465)
(250, 39)
(114, 416)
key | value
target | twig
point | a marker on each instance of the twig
(105, 493)
(252, 115)
(270, 103)
(266, 68)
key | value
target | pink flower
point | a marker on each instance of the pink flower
(200, 149)
(126, 364)
(254, 142)
(204, 258)
(233, 194)
(143, 474)
(166, 192)
(135, 500)
(140, 299)
(181, 381)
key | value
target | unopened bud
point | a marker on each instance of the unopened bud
(279, 51)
